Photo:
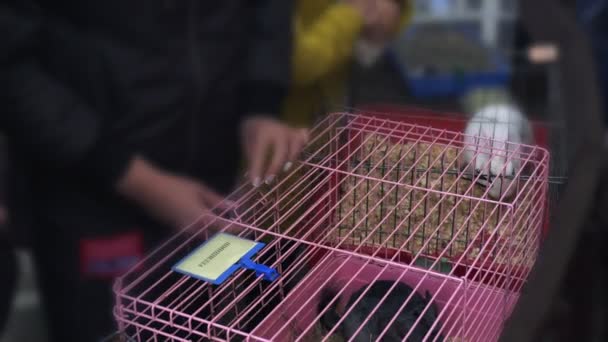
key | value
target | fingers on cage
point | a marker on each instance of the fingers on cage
(295, 146)
(279, 157)
(257, 159)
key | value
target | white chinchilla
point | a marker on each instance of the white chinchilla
(489, 149)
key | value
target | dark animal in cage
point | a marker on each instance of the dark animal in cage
(263, 309)
(370, 326)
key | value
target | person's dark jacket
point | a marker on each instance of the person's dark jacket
(8, 259)
(8, 282)
(593, 15)
(560, 299)
(88, 84)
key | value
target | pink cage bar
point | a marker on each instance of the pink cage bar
(372, 199)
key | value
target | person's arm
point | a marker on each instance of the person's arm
(264, 88)
(41, 115)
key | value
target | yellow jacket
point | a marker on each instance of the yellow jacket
(325, 33)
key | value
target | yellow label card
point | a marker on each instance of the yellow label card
(217, 258)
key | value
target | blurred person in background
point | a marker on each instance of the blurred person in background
(328, 35)
(127, 120)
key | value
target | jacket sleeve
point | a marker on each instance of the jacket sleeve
(43, 117)
(269, 58)
(326, 44)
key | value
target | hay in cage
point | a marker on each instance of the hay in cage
(380, 214)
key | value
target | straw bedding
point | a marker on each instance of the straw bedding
(376, 211)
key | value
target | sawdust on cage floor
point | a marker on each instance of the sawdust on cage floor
(376, 208)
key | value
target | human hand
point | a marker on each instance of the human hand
(175, 200)
(261, 136)
(543, 53)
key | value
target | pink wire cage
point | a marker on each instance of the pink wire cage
(371, 199)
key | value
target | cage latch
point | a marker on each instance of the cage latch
(269, 274)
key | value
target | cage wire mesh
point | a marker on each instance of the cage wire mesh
(375, 202)
(379, 232)
(533, 89)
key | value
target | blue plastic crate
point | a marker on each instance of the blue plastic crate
(444, 85)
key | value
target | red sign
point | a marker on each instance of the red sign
(112, 256)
